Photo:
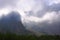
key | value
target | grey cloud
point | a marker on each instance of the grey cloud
(46, 8)
(55, 7)
(45, 26)
(4, 3)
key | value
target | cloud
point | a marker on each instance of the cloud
(7, 6)
(41, 7)
(46, 19)
(44, 14)
(4, 3)
(49, 23)
(16, 5)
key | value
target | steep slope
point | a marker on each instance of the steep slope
(12, 23)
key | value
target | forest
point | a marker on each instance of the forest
(12, 36)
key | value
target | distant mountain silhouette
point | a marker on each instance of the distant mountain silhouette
(12, 23)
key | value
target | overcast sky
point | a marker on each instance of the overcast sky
(39, 13)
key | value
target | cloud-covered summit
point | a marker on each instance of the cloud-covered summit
(44, 14)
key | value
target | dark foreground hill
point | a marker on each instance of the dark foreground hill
(12, 23)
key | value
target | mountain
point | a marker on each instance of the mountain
(12, 23)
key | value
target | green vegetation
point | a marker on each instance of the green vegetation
(9, 36)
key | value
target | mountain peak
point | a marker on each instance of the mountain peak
(12, 23)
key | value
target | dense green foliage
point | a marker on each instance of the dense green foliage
(9, 36)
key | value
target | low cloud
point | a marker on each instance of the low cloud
(44, 20)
